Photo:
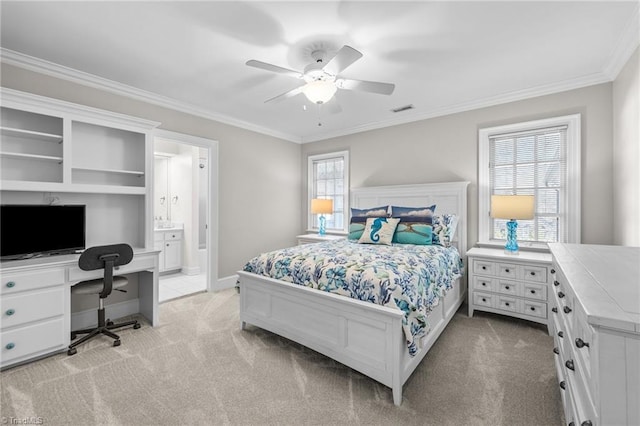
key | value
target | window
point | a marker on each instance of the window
(540, 158)
(329, 178)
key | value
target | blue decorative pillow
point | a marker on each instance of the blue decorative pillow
(359, 219)
(379, 230)
(444, 228)
(415, 225)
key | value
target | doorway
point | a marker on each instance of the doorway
(185, 213)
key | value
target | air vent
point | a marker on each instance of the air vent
(402, 108)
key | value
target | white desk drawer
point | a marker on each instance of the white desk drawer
(22, 281)
(173, 235)
(137, 264)
(35, 305)
(32, 340)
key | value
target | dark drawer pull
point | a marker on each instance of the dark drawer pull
(484, 284)
(560, 294)
(506, 287)
(560, 334)
(506, 303)
(11, 284)
(10, 345)
(533, 273)
(569, 365)
(533, 292)
(572, 424)
(586, 423)
(556, 283)
(553, 271)
(554, 310)
(566, 309)
(563, 385)
(484, 268)
(533, 308)
(556, 351)
(581, 343)
(484, 300)
(10, 312)
(507, 270)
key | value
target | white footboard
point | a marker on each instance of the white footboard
(364, 336)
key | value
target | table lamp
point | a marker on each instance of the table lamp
(321, 207)
(512, 207)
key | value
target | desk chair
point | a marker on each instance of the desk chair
(102, 257)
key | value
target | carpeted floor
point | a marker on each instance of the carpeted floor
(199, 368)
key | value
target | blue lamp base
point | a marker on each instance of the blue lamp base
(512, 244)
(322, 231)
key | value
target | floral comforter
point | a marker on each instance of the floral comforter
(408, 277)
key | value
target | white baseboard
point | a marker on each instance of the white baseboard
(193, 270)
(89, 318)
(226, 282)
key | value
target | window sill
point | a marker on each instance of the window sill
(525, 246)
(329, 232)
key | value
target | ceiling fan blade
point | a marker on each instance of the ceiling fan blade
(286, 95)
(273, 68)
(366, 86)
(345, 57)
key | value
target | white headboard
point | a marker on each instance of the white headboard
(449, 197)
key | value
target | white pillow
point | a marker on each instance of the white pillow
(379, 230)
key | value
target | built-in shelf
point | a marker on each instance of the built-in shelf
(20, 185)
(31, 156)
(10, 131)
(116, 171)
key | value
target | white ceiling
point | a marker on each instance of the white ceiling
(442, 56)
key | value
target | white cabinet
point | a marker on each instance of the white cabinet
(33, 308)
(596, 328)
(169, 242)
(514, 285)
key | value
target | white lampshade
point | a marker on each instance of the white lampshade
(319, 91)
(321, 206)
(512, 206)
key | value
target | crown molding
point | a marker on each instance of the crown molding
(62, 72)
(563, 86)
(627, 44)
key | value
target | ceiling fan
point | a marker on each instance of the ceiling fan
(322, 79)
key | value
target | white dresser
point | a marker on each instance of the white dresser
(596, 321)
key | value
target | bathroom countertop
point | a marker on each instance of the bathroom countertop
(171, 228)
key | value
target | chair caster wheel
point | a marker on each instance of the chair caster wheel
(73, 336)
(136, 326)
(116, 342)
(72, 351)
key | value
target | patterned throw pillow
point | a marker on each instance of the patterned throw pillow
(415, 225)
(379, 230)
(359, 219)
(444, 228)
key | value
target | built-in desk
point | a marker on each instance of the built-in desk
(35, 301)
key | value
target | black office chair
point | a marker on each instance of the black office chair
(102, 257)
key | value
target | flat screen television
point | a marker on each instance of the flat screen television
(30, 230)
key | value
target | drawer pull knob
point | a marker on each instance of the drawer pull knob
(484, 300)
(484, 284)
(581, 343)
(484, 268)
(586, 423)
(560, 294)
(556, 351)
(563, 385)
(556, 283)
(533, 308)
(506, 303)
(506, 287)
(533, 273)
(507, 270)
(554, 310)
(560, 334)
(167, 245)
(533, 292)
(553, 271)
(10, 345)
(11, 284)
(569, 365)
(566, 309)
(10, 312)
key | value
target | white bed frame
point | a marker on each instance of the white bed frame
(361, 335)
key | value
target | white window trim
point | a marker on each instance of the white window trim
(310, 160)
(571, 199)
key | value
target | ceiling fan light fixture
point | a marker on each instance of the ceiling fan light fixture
(319, 91)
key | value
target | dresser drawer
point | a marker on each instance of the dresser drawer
(33, 340)
(507, 303)
(535, 309)
(536, 274)
(511, 288)
(22, 281)
(30, 306)
(483, 267)
(507, 270)
(483, 283)
(535, 291)
(484, 299)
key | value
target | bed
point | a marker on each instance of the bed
(364, 336)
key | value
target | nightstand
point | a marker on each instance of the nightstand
(315, 238)
(514, 285)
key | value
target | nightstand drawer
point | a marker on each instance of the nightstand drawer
(483, 283)
(484, 299)
(507, 270)
(483, 267)
(508, 287)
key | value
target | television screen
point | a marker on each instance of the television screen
(34, 230)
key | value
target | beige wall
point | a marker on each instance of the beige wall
(446, 149)
(626, 154)
(259, 176)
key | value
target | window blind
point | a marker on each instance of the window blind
(531, 162)
(328, 182)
